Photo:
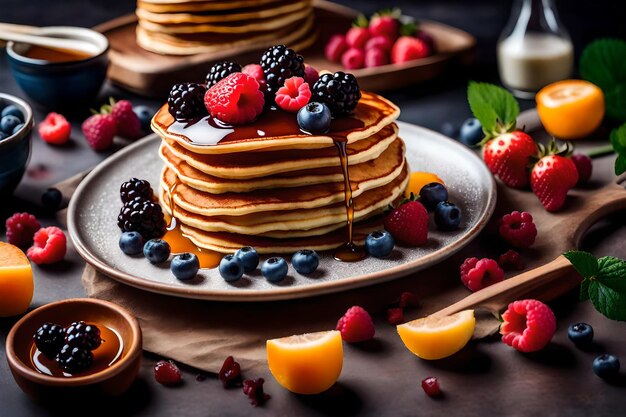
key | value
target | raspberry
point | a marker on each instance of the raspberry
(74, 359)
(294, 95)
(128, 123)
(375, 57)
(339, 91)
(167, 373)
(21, 228)
(49, 246)
(55, 129)
(408, 48)
(583, 166)
(335, 48)
(99, 130)
(185, 101)
(395, 316)
(528, 325)
(83, 335)
(357, 37)
(356, 325)
(254, 390)
(511, 260)
(230, 373)
(380, 42)
(143, 216)
(255, 71)
(311, 75)
(431, 386)
(353, 58)
(408, 224)
(477, 274)
(220, 71)
(133, 188)
(236, 99)
(280, 63)
(49, 339)
(408, 299)
(518, 229)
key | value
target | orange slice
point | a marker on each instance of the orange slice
(438, 337)
(309, 363)
(16, 281)
(419, 179)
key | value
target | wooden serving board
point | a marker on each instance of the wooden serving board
(150, 74)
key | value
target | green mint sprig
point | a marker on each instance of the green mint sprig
(603, 62)
(604, 282)
(495, 108)
(618, 141)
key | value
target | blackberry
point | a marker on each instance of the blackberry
(49, 339)
(220, 71)
(135, 188)
(186, 101)
(82, 335)
(74, 359)
(143, 216)
(340, 92)
(280, 63)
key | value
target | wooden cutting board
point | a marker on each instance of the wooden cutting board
(150, 74)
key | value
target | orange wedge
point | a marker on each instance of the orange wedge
(309, 363)
(419, 179)
(16, 281)
(438, 337)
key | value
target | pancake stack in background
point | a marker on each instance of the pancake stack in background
(270, 186)
(184, 27)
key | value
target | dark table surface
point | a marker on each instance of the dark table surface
(484, 379)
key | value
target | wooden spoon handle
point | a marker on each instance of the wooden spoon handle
(48, 41)
(10, 27)
(544, 283)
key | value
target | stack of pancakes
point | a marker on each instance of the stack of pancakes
(182, 27)
(270, 186)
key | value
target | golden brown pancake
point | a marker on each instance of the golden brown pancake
(173, 6)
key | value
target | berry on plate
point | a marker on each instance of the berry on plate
(274, 269)
(55, 129)
(314, 118)
(471, 132)
(606, 366)
(280, 63)
(236, 99)
(49, 246)
(131, 243)
(508, 157)
(230, 373)
(583, 166)
(311, 75)
(186, 101)
(379, 244)
(357, 37)
(231, 268)
(408, 224)
(477, 274)
(447, 216)
(255, 71)
(167, 373)
(511, 260)
(353, 58)
(185, 266)
(156, 251)
(143, 216)
(581, 334)
(99, 130)
(21, 228)
(518, 229)
(408, 48)
(553, 176)
(528, 325)
(431, 386)
(248, 257)
(305, 261)
(133, 188)
(128, 123)
(335, 48)
(433, 194)
(375, 57)
(293, 95)
(379, 42)
(356, 325)
(395, 316)
(221, 70)
(339, 91)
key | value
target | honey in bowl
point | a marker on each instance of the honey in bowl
(55, 55)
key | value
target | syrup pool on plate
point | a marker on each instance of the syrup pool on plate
(179, 243)
(104, 356)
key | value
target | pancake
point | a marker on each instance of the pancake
(229, 15)
(202, 181)
(279, 129)
(293, 223)
(165, 6)
(252, 165)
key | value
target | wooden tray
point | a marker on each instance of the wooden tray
(150, 74)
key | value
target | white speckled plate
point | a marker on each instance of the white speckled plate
(92, 218)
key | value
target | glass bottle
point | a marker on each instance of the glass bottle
(534, 48)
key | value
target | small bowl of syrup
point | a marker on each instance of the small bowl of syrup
(61, 79)
(116, 361)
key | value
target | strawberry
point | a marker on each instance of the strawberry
(386, 25)
(356, 37)
(408, 223)
(408, 48)
(128, 124)
(551, 178)
(99, 130)
(508, 156)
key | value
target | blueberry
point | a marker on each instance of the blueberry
(12, 110)
(51, 199)
(156, 251)
(274, 269)
(580, 333)
(379, 244)
(447, 216)
(432, 194)
(144, 113)
(17, 128)
(471, 132)
(305, 261)
(8, 123)
(131, 243)
(606, 366)
(314, 118)
(231, 268)
(185, 266)
(249, 258)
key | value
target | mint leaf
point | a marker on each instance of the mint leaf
(611, 269)
(495, 108)
(584, 263)
(584, 290)
(618, 141)
(603, 62)
(607, 301)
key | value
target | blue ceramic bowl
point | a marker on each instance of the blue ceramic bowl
(15, 150)
(61, 85)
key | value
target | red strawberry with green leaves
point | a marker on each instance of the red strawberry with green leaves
(386, 23)
(507, 151)
(408, 223)
(553, 176)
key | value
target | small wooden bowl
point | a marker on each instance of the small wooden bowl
(111, 381)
